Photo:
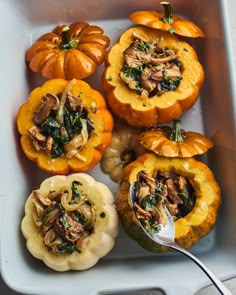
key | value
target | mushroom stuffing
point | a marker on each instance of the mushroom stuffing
(61, 125)
(153, 194)
(65, 218)
(149, 68)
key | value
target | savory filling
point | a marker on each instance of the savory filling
(165, 190)
(64, 218)
(61, 125)
(149, 68)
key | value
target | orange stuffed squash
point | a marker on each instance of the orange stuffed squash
(65, 126)
(186, 187)
(151, 76)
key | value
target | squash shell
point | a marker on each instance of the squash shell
(100, 241)
(141, 111)
(189, 229)
(97, 143)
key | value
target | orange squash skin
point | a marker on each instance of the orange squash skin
(153, 19)
(157, 141)
(88, 52)
(97, 143)
(142, 111)
(189, 229)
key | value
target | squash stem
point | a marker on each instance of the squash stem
(127, 156)
(176, 134)
(168, 17)
(66, 42)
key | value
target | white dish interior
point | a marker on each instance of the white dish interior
(127, 267)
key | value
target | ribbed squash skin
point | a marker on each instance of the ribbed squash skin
(157, 141)
(154, 19)
(45, 55)
(189, 229)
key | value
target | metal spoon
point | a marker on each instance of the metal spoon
(166, 237)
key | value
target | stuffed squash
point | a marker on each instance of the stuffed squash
(185, 186)
(65, 126)
(70, 222)
(151, 77)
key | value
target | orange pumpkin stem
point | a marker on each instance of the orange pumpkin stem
(66, 42)
(168, 17)
(176, 134)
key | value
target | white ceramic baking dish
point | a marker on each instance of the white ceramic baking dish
(128, 267)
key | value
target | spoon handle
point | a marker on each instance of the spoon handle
(219, 285)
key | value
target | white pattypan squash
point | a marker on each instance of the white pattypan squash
(70, 222)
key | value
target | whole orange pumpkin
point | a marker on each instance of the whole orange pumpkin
(69, 51)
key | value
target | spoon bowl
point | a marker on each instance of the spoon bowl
(165, 236)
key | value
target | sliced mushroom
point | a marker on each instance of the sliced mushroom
(35, 133)
(49, 102)
(173, 191)
(51, 239)
(151, 77)
(42, 200)
(51, 215)
(38, 139)
(141, 213)
(182, 183)
(81, 242)
(71, 232)
(134, 57)
(164, 59)
(74, 103)
(145, 183)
